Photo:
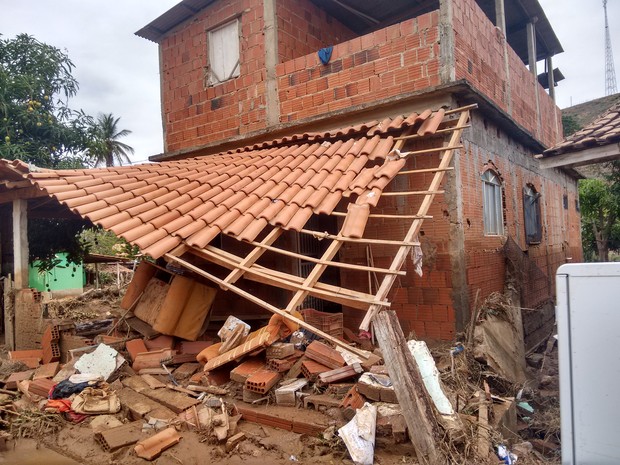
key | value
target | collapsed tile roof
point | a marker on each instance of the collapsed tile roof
(281, 183)
(604, 130)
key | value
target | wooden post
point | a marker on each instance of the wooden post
(20, 243)
(96, 275)
(415, 402)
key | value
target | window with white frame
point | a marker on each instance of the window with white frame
(492, 204)
(223, 51)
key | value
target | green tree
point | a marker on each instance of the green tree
(104, 146)
(600, 212)
(36, 123)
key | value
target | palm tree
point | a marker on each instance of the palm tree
(104, 146)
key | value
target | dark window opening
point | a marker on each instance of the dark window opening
(531, 214)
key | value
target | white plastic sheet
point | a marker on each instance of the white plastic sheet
(359, 435)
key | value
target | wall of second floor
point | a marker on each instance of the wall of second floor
(454, 43)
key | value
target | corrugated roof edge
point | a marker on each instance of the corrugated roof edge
(160, 26)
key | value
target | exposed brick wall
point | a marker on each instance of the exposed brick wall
(195, 114)
(561, 239)
(424, 304)
(303, 28)
(396, 60)
(479, 58)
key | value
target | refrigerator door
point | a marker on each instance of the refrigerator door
(588, 319)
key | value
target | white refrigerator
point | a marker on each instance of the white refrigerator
(588, 321)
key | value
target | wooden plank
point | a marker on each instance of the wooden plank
(252, 298)
(483, 444)
(415, 402)
(324, 235)
(426, 170)
(319, 261)
(416, 225)
(254, 255)
(283, 280)
(405, 217)
(394, 194)
(425, 151)
(439, 131)
(314, 276)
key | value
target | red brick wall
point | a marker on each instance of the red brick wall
(303, 28)
(428, 305)
(479, 58)
(195, 114)
(424, 304)
(561, 239)
(398, 59)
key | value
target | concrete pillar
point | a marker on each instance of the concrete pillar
(531, 46)
(447, 70)
(500, 15)
(551, 78)
(20, 243)
(271, 60)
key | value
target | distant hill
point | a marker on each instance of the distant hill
(579, 116)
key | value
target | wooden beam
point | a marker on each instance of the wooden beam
(20, 243)
(426, 170)
(324, 235)
(348, 266)
(269, 307)
(417, 407)
(394, 194)
(289, 282)
(24, 193)
(439, 131)
(314, 276)
(398, 217)
(254, 255)
(588, 156)
(425, 151)
(416, 225)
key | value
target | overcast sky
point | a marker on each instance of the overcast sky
(118, 72)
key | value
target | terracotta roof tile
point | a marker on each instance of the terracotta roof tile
(604, 130)
(282, 182)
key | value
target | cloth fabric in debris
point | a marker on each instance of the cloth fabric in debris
(94, 401)
(66, 388)
(64, 406)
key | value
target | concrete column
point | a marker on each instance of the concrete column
(20, 243)
(531, 46)
(447, 70)
(551, 78)
(271, 60)
(531, 58)
(500, 15)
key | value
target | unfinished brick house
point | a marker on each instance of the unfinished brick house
(390, 58)
(286, 169)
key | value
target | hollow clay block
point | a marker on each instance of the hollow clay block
(152, 447)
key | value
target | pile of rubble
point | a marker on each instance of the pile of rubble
(145, 393)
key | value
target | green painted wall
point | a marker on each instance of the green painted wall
(62, 277)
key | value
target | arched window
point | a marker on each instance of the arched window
(492, 204)
(531, 214)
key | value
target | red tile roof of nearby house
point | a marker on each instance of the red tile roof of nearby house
(604, 130)
(282, 183)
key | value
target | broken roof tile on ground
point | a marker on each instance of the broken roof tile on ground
(239, 193)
